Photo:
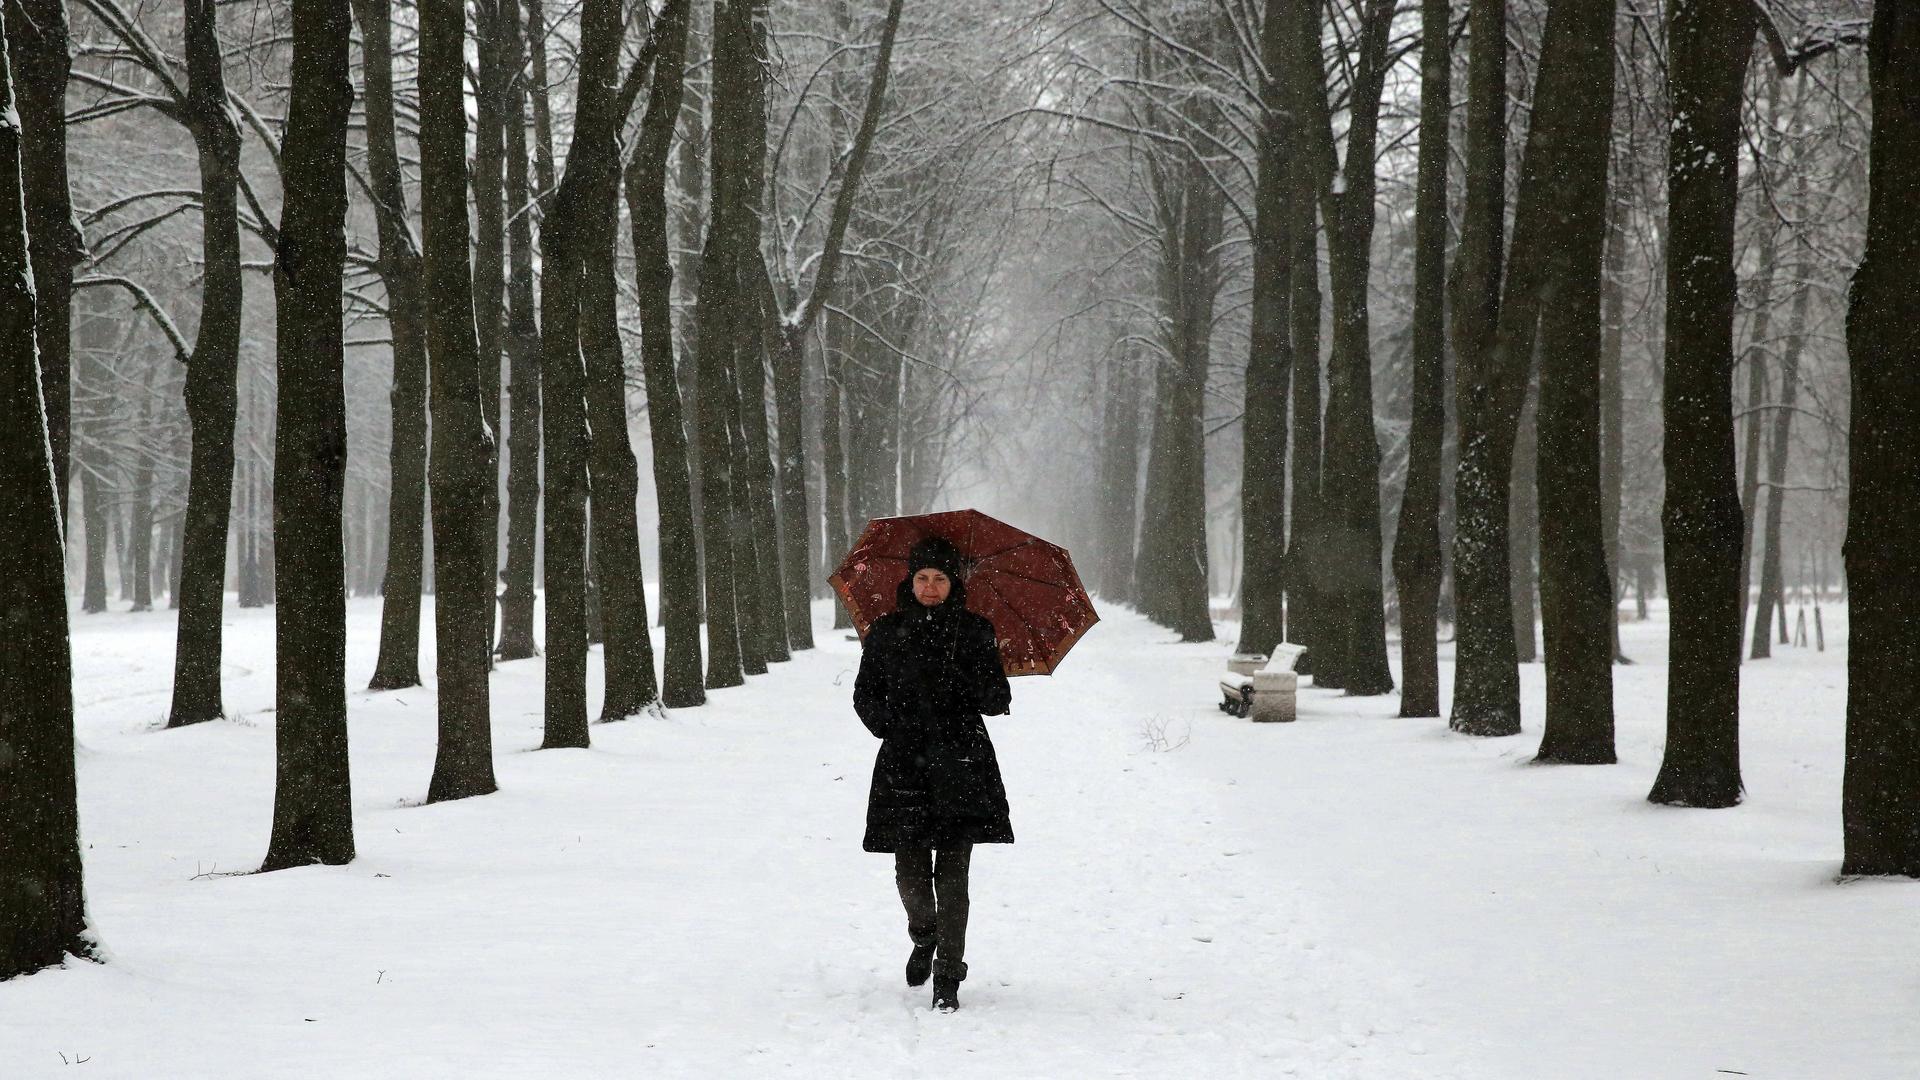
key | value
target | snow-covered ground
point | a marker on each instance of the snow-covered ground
(1352, 895)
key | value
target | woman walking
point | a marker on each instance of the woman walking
(929, 671)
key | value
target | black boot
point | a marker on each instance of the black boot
(946, 985)
(919, 964)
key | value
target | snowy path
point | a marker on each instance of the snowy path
(688, 898)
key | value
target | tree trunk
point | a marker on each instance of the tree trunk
(140, 513)
(646, 188)
(123, 548)
(463, 475)
(755, 467)
(1304, 516)
(564, 238)
(176, 555)
(42, 893)
(630, 684)
(491, 19)
(1711, 41)
(313, 804)
(1263, 470)
(1416, 544)
(1770, 576)
(1120, 481)
(1880, 799)
(398, 665)
(834, 462)
(93, 522)
(1351, 559)
(1750, 459)
(1486, 680)
(725, 319)
(1576, 595)
(1613, 405)
(1523, 531)
(1754, 356)
(42, 56)
(523, 352)
(1172, 566)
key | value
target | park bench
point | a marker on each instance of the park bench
(1262, 687)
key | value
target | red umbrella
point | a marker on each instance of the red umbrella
(1026, 586)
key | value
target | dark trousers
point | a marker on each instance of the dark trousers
(935, 896)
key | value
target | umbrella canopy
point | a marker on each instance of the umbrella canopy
(1024, 585)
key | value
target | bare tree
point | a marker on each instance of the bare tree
(1416, 547)
(797, 318)
(1486, 687)
(461, 462)
(1573, 106)
(563, 419)
(42, 892)
(1269, 357)
(523, 351)
(1353, 645)
(43, 59)
(646, 193)
(313, 806)
(1882, 786)
(399, 267)
(1710, 42)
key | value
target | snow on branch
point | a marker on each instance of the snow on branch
(1822, 37)
(143, 300)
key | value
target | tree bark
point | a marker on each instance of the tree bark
(523, 352)
(1613, 404)
(1120, 481)
(834, 463)
(42, 891)
(722, 324)
(463, 475)
(1351, 559)
(1486, 681)
(140, 513)
(1880, 798)
(1770, 568)
(93, 522)
(1710, 42)
(1416, 545)
(1754, 356)
(765, 616)
(1576, 595)
(1263, 470)
(564, 237)
(42, 56)
(1523, 530)
(630, 684)
(1304, 516)
(398, 664)
(491, 18)
(313, 805)
(646, 187)
(1172, 565)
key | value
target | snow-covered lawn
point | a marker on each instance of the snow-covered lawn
(1352, 895)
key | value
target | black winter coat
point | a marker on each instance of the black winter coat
(927, 675)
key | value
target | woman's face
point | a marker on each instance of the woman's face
(931, 587)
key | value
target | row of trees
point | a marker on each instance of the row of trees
(1655, 195)
(743, 241)
(846, 260)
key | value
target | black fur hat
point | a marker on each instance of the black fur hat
(939, 553)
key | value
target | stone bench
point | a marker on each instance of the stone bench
(1263, 688)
